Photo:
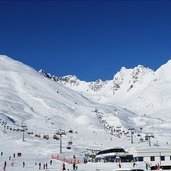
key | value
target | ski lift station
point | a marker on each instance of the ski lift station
(155, 156)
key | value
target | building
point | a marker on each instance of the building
(155, 156)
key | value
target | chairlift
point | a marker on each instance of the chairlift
(37, 135)
(70, 142)
(55, 137)
(30, 133)
(68, 147)
(46, 137)
(70, 131)
(146, 138)
(141, 140)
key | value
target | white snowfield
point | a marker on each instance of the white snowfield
(99, 116)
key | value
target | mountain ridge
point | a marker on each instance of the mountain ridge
(44, 105)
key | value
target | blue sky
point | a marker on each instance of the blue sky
(90, 39)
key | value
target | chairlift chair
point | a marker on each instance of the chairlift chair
(68, 147)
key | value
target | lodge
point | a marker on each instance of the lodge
(154, 156)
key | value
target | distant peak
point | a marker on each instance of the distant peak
(5, 57)
(139, 67)
(165, 67)
(71, 77)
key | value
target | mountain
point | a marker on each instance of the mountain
(140, 90)
(45, 106)
(100, 114)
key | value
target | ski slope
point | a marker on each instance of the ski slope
(99, 119)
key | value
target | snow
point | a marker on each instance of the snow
(92, 110)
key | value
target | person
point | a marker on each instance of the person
(46, 166)
(74, 164)
(63, 167)
(50, 162)
(39, 165)
(14, 155)
(23, 164)
(5, 164)
(1, 153)
(9, 157)
(134, 164)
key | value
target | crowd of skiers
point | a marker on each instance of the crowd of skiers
(11, 162)
(40, 165)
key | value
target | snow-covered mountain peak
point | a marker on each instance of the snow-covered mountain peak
(8, 64)
(4, 57)
(163, 72)
(127, 79)
(68, 79)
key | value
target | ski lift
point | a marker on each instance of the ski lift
(146, 138)
(70, 142)
(46, 137)
(141, 140)
(68, 147)
(70, 131)
(55, 137)
(138, 135)
(37, 135)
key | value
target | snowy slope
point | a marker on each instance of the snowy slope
(26, 97)
(99, 113)
(140, 90)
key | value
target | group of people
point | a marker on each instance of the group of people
(11, 159)
(45, 165)
(74, 165)
(5, 162)
(40, 165)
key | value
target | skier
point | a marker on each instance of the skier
(5, 164)
(134, 164)
(74, 164)
(1, 153)
(39, 165)
(50, 162)
(23, 164)
(63, 167)
(46, 166)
